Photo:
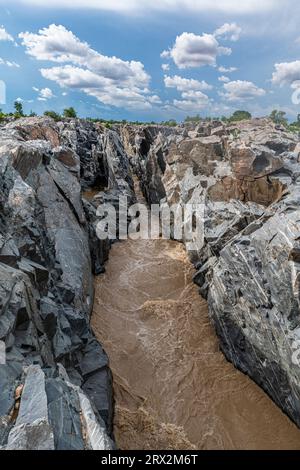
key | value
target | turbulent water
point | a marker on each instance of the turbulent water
(173, 387)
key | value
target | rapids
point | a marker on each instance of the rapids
(173, 387)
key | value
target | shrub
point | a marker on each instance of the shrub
(170, 123)
(279, 117)
(240, 116)
(53, 115)
(70, 113)
(196, 118)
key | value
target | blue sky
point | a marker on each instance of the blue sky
(105, 57)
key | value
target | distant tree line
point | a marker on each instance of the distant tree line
(19, 112)
(67, 113)
(71, 113)
(277, 116)
(236, 116)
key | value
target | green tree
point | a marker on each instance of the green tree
(170, 123)
(32, 114)
(18, 109)
(70, 113)
(53, 115)
(196, 118)
(279, 117)
(240, 115)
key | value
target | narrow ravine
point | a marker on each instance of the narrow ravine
(173, 387)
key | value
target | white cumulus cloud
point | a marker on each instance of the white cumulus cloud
(229, 31)
(111, 80)
(191, 50)
(44, 93)
(286, 73)
(4, 35)
(192, 97)
(104, 89)
(186, 84)
(224, 79)
(227, 69)
(155, 99)
(240, 90)
(192, 101)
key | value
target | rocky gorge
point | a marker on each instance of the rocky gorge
(56, 383)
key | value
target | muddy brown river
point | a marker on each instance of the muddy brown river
(173, 387)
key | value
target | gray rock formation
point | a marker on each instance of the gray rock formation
(48, 251)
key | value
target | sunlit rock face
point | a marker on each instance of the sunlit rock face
(248, 178)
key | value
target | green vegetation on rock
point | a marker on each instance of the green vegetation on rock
(70, 113)
(53, 115)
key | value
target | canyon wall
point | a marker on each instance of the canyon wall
(56, 390)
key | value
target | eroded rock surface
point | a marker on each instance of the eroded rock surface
(48, 252)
